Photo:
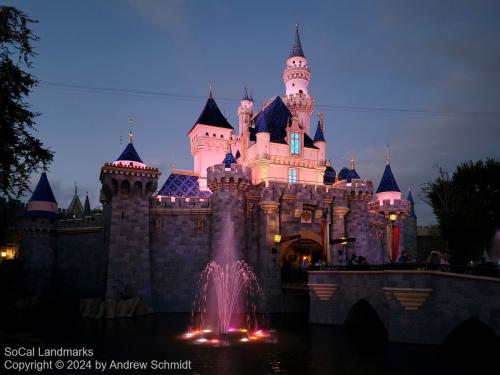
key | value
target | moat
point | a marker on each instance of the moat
(299, 348)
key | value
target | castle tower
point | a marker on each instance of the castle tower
(209, 137)
(388, 188)
(410, 229)
(296, 77)
(86, 206)
(228, 182)
(75, 208)
(37, 245)
(245, 113)
(127, 187)
(320, 143)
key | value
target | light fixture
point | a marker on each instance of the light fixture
(277, 238)
(393, 217)
(4, 254)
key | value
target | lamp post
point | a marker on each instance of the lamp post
(277, 240)
(392, 217)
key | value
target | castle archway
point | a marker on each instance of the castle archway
(301, 252)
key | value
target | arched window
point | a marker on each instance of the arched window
(292, 175)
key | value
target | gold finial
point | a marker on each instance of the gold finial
(387, 150)
(352, 162)
(130, 132)
(210, 90)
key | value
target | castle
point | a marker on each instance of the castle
(288, 208)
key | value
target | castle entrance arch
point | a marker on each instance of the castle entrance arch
(303, 252)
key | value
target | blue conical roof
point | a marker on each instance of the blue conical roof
(43, 191)
(410, 199)
(329, 176)
(229, 159)
(352, 175)
(388, 182)
(130, 154)
(344, 172)
(296, 46)
(319, 136)
(211, 115)
(274, 118)
(238, 155)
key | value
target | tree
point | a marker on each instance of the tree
(467, 207)
(21, 153)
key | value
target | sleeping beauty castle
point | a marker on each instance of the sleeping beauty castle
(267, 184)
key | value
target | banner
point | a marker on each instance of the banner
(395, 244)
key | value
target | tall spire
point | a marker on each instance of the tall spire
(319, 136)
(352, 162)
(387, 154)
(210, 91)
(130, 132)
(412, 202)
(245, 95)
(296, 46)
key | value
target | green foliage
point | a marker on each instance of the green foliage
(21, 153)
(467, 207)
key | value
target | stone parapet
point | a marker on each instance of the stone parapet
(357, 189)
(398, 206)
(236, 177)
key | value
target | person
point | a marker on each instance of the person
(354, 260)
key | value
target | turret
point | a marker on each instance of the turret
(75, 208)
(245, 111)
(42, 202)
(296, 77)
(388, 188)
(127, 188)
(319, 138)
(208, 138)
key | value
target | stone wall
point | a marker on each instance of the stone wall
(415, 306)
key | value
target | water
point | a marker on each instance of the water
(300, 348)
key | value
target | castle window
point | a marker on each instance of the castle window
(292, 175)
(294, 144)
(206, 134)
(221, 136)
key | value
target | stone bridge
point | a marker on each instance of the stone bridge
(414, 306)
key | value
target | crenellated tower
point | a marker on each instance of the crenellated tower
(127, 188)
(296, 77)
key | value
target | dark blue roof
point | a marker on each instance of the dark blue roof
(43, 191)
(229, 159)
(344, 172)
(388, 182)
(274, 119)
(238, 155)
(329, 176)
(308, 142)
(211, 115)
(130, 154)
(319, 136)
(296, 46)
(181, 185)
(352, 175)
(410, 198)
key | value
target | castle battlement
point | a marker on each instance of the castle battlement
(357, 189)
(130, 170)
(397, 206)
(180, 202)
(236, 176)
(94, 220)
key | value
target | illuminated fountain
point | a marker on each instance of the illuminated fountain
(228, 293)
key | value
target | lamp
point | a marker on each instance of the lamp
(277, 238)
(393, 217)
(4, 254)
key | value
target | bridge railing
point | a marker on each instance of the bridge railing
(299, 275)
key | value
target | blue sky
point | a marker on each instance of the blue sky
(441, 56)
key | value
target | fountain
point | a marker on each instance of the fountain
(228, 293)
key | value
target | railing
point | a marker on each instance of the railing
(298, 276)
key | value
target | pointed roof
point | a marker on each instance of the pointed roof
(75, 207)
(410, 199)
(388, 182)
(352, 175)
(344, 172)
(319, 136)
(274, 118)
(296, 45)
(329, 176)
(238, 155)
(182, 185)
(229, 159)
(211, 115)
(130, 154)
(86, 206)
(245, 95)
(43, 191)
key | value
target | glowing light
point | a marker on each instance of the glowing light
(244, 339)
(202, 340)
(277, 238)
(243, 330)
(232, 329)
(259, 333)
(189, 335)
(393, 217)
(4, 254)
(207, 330)
(214, 341)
